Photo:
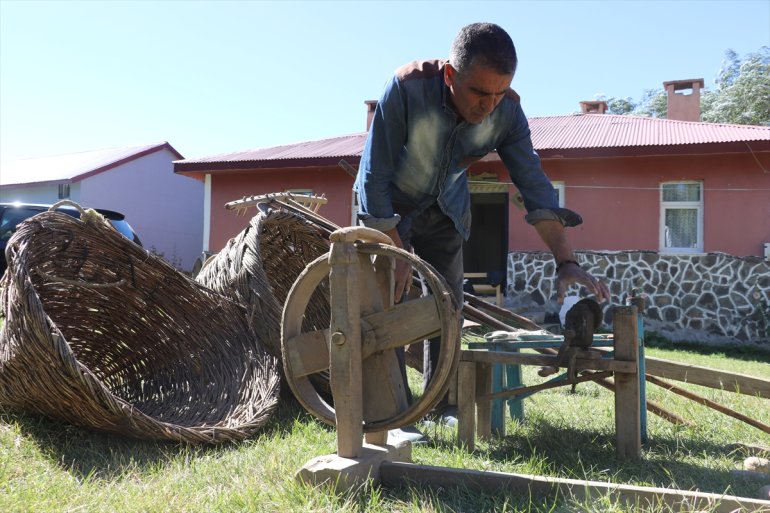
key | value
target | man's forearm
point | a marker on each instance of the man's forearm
(555, 237)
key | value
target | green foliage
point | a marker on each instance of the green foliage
(741, 94)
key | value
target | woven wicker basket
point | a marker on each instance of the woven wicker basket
(258, 267)
(101, 333)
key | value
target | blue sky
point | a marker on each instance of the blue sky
(215, 77)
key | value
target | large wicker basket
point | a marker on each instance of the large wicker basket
(258, 267)
(101, 333)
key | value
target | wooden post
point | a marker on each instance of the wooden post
(483, 406)
(627, 393)
(513, 380)
(640, 303)
(498, 405)
(345, 348)
(466, 404)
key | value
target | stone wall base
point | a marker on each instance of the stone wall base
(711, 297)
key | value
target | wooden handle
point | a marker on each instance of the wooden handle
(362, 233)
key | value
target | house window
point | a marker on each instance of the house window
(681, 217)
(559, 186)
(64, 190)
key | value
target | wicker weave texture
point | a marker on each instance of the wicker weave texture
(258, 267)
(101, 333)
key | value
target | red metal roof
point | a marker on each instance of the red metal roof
(335, 147)
(584, 132)
(614, 131)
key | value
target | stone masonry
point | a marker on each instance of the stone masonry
(712, 297)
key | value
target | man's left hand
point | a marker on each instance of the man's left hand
(571, 273)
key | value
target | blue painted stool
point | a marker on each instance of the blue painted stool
(507, 377)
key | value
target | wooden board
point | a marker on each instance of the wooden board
(545, 360)
(393, 474)
(707, 377)
(398, 326)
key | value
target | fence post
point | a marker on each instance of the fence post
(627, 385)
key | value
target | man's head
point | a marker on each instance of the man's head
(482, 61)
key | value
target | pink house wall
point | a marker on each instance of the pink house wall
(330, 181)
(619, 199)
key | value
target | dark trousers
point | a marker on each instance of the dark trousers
(435, 240)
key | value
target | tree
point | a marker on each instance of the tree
(742, 92)
(741, 95)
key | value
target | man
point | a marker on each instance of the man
(434, 119)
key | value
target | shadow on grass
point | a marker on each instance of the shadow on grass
(667, 462)
(87, 453)
(744, 352)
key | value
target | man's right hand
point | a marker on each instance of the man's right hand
(403, 272)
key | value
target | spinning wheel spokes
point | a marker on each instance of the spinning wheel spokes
(366, 327)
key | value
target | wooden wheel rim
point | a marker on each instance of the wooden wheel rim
(297, 301)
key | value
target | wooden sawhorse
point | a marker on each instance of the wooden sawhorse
(474, 384)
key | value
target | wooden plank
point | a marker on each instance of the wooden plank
(497, 310)
(402, 475)
(308, 352)
(384, 390)
(503, 394)
(405, 323)
(652, 406)
(345, 348)
(466, 405)
(628, 428)
(707, 402)
(707, 377)
(546, 360)
(471, 312)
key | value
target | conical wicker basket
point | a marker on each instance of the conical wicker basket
(258, 267)
(101, 333)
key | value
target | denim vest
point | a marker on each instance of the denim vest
(418, 149)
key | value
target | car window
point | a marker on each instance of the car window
(125, 229)
(11, 217)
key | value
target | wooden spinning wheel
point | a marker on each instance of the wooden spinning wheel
(365, 328)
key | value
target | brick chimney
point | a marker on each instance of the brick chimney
(370, 106)
(593, 107)
(685, 105)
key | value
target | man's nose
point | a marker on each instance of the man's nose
(488, 104)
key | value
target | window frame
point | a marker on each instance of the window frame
(678, 205)
(561, 190)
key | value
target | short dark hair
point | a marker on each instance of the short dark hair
(486, 44)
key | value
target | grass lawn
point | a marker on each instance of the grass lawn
(46, 465)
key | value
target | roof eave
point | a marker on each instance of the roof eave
(183, 167)
(656, 150)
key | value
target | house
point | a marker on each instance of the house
(676, 209)
(165, 209)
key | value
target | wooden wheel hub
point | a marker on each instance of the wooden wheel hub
(365, 329)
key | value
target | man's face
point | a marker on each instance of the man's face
(476, 93)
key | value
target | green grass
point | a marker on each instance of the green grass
(46, 465)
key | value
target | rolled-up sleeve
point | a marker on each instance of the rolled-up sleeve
(379, 160)
(524, 167)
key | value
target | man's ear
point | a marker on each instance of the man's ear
(450, 75)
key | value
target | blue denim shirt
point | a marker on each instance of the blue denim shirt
(418, 149)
